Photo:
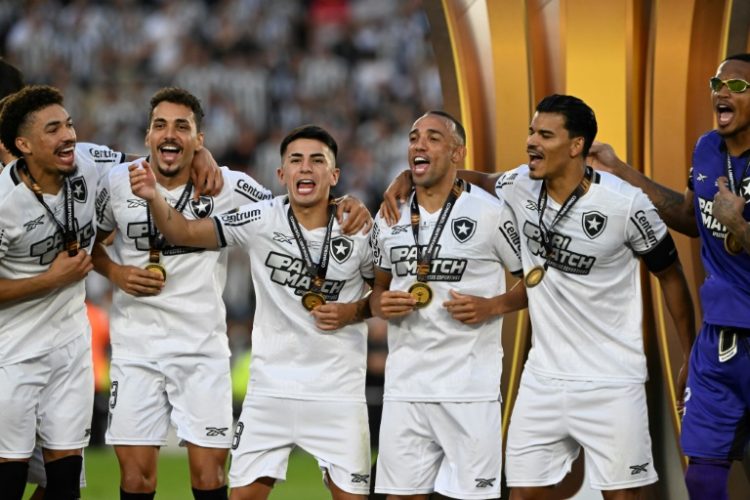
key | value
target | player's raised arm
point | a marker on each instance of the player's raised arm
(170, 222)
(676, 209)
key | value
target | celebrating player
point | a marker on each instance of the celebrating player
(46, 233)
(439, 281)
(716, 208)
(582, 235)
(309, 342)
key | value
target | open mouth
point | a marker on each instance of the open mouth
(724, 114)
(305, 186)
(66, 152)
(420, 165)
(534, 157)
(169, 153)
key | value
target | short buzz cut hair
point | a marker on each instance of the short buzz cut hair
(456, 128)
(738, 57)
(177, 95)
(18, 108)
(579, 118)
(310, 132)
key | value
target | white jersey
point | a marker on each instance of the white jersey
(431, 356)
(586, 314)
(188, 316)
(29, 242)
(292, 358)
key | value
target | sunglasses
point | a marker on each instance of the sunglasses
(734, 85)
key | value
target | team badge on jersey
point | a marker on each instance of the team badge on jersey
(745, 189)
(593, 223)
(78, 186)
(463, 228)
(202, 207)
(341, 248)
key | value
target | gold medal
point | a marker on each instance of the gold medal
(72, 247)
(422, 293)
(534, 277)
(732, 244)
(311, 300)
(157, 269)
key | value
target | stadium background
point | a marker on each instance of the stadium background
(365, 69)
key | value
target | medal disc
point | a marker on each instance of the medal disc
(422, 293)
(311, 300)
(534, 277)
(732, 244)
(72, 247)
(157, 269)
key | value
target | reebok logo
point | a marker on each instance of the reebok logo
(637, 469)
(485, 483)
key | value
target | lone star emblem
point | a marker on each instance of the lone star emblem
(593, 224)
(202, 207)
(341, 248)
(463, 228)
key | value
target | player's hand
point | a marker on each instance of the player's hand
(394, 196)
(396, 303)
(680, 389)
(65, 269)
(205, 174)
(470, 309)
(727, 206)
(136, 281)
(602, 157)
(358, 218)
(333, 315)
(142, 181)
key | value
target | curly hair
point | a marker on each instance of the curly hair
(19, 107)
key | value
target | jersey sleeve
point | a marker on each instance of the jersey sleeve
(245, 189)
(105, 217)
(103, 157)
(380, 257)
(366, 267)
(508, 242)
(239, 227)
(504, 185)
(647, 235)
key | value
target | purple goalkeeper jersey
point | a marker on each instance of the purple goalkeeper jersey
(725, 294)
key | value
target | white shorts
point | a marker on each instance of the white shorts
(194, 392)
(37, 473)
(335, 433)
(553, 419)
(454, 449)
(48, 400)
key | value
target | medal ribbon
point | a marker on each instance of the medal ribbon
(156, 240)
(566, 206)
(318, 272)
(67, 230)
(735, 186)
(424, 259)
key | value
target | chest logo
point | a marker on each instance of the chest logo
(78, 186)
(202, 207)
(341, 249)
(463, 228)
(593, 224)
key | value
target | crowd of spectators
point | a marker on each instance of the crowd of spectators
(363, 69)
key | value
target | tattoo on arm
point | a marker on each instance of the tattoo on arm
(363, 311)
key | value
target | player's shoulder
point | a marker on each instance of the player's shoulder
(615, 188)
(477, 197)
(710, 141)
(92, 155)
(10, 182)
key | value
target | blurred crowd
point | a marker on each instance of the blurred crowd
(363, 69)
